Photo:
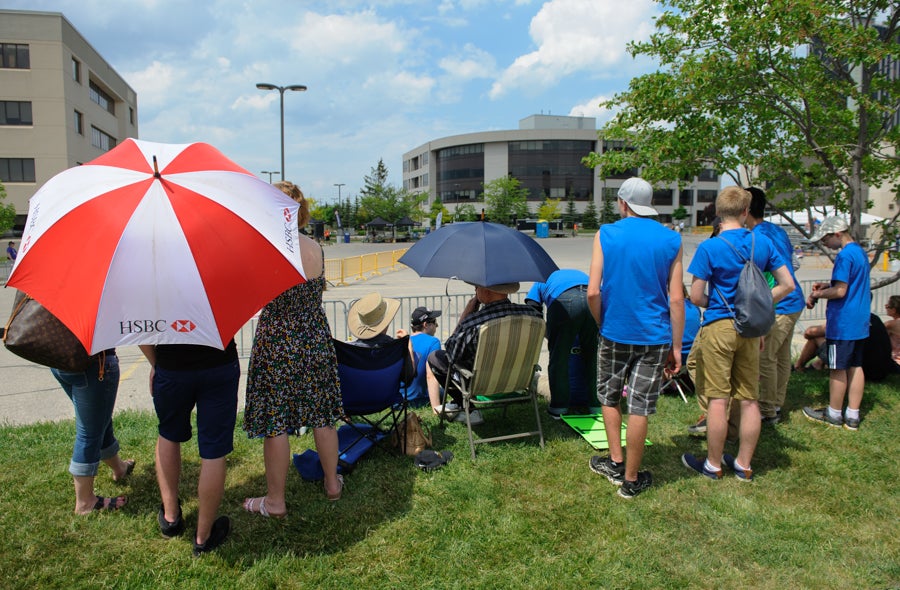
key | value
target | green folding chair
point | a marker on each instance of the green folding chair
(505, 372)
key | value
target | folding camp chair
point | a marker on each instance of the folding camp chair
(505, 371)
(681, 383)
(371, 389)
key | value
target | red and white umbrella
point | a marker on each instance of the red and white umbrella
(157, 243)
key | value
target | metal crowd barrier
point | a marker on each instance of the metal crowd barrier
(336, 311)
(451, 306)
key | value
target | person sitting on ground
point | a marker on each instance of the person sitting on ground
(369, 318)
(892, 307)
(490, 302)
(813, 349)
(423, 323)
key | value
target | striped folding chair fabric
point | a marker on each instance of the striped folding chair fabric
(505, 372)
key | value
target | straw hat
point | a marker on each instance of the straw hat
(370, 315)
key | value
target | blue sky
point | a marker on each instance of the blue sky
(383, 76)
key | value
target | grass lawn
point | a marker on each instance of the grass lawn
(823, 512)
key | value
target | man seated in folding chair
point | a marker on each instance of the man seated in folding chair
(489, 302)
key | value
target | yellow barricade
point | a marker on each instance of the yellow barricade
(339, 270)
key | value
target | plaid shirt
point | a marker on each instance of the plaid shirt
(462, 344)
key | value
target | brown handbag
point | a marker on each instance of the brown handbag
(37, 335)
(415, 439)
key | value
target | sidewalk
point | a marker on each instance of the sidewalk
(29, 393)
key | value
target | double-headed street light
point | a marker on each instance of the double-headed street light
(339, 185)
(281, 89)
(269, 173)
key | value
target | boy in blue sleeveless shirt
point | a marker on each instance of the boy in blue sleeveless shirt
(775, 357)
(846, 324)
(636, 296)
(727, 363)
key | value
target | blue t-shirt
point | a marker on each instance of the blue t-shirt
(720, 266)
(793, 301)
(691, 327)
(637, 255)
(847, 318)
(557, 283)
(423, 344)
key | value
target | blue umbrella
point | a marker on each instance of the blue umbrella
(480, 253)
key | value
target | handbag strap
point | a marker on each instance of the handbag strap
(14, 313)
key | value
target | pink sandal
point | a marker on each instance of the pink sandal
(337, 496)
(261, 508)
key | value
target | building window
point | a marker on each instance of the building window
(708, 174)
(15, 112)
(131, 115)
(552, 168)
(102, 140)
(79, 123)
(16, 169)
(15, 56)
(706, 196)
(662, 196)
(103, 99)
(76, 70)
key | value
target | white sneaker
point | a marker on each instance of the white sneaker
(475, 417)
(451, 409)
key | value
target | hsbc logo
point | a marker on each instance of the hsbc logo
(288, 230)
(183, 326)
(155, 326)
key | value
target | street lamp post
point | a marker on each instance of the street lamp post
(281, 89)
(269, 173)
(339, 185)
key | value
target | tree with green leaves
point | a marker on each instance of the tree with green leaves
(795, 92)
(570, 217)
(436, 208)
(679, 213)
(589, 217)
(549, 209)
(7, 212)
(375, 183)
(505, 200)
(466, 212)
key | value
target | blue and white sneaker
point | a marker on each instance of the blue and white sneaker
(698, 464)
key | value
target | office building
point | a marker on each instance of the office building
(545, 155)
(61, 103)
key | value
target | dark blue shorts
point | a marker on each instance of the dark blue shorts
(843, 354)
(213, 391)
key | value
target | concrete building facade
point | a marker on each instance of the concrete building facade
(61, 103)
(545, 155)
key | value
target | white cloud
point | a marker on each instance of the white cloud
(576, 37)
(592, 108)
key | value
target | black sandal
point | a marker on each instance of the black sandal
(432, 460)
(110, 504)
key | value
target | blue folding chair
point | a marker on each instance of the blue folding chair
(371, 393)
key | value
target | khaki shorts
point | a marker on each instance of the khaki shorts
(727, 364)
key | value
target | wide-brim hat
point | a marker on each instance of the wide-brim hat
(830, 225)
(370, 315)
(502, 288)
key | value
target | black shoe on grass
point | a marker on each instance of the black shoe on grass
(614, 472)
(630, 489)
(217, 535)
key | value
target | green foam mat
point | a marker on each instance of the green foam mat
(590, 427)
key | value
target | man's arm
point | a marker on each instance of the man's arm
(784, 283)
(698, 293)
(821, 291)
(676, 311)
(595, 279)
